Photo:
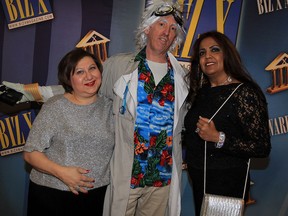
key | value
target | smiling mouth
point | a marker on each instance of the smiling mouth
(209, 63)
(164, 40)
(90, 83)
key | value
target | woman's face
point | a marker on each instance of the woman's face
(86, 79)
(211, 58)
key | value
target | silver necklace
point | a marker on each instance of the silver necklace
(228, 80)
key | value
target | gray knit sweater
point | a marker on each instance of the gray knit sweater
(73, 135)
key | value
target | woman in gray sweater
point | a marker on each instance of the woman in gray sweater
(71, 142)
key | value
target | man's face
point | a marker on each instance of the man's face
(161, 34)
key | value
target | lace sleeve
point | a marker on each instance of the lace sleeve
(253, 139)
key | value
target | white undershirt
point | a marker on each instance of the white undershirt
(159, 70)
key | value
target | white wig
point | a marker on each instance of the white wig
(149, 18)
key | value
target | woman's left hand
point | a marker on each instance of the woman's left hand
(207, 130)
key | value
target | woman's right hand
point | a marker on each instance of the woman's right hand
(75, 178)
(206, 130)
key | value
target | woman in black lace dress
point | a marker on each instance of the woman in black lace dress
(240, 129)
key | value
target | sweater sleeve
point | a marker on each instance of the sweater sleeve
(43, 129)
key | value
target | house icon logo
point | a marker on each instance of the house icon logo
(94, 43)
(279, 71)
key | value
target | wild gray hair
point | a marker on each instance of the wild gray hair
(149, 18)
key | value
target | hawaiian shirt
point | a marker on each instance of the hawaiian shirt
(153, 129)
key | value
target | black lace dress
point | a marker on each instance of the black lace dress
(244, 120)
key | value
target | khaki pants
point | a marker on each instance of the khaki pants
(148, 201)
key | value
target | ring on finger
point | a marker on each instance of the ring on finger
(197, 130)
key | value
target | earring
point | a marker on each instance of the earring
(202, 76)
(201, 80)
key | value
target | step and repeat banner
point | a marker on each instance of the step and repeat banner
(35, 34)
(263, 45)
(32, 49)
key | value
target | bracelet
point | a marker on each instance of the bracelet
(221, 141)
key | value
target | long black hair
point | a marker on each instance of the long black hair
(233, 65)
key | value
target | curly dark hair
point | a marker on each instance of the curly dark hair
(67, 65)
